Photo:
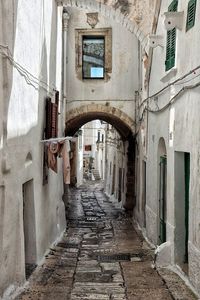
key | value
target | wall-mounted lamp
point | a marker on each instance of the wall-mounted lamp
(155, 40)
(173, 19)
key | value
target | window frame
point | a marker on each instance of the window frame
(101, 32)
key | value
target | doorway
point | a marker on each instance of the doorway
(144, 168)
(182, 184)
(162, 199)
(162, 191)
(120, 186)
(29, 227)
(113, 181)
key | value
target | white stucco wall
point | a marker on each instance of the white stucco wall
(33, 33)
(115, 154)
(119, 91)
(179, 126)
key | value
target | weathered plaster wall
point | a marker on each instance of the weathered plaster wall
(32, 31)
(115, 154)
(119, 90)
(135, 15)
(179, 126)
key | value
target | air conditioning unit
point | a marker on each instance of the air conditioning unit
(173, 19)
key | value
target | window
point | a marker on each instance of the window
(88, 148)
(93, 57)
(94, 53)
(98, 138)
(191, 14)
(171, 41)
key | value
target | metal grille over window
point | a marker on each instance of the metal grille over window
(191, 14)
(93, 57)
(171, 41)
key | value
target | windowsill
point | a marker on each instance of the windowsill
(169, 75)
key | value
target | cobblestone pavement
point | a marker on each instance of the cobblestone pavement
(101, 257)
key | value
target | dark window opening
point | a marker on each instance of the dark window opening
(93, 57)
(98, 138)
(88, 148)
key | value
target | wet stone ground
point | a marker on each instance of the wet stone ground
(101, 257)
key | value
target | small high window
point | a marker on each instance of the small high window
(191, 14)
(93, 57)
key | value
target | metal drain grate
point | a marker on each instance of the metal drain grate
(114, 257)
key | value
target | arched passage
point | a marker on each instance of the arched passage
(76, 118)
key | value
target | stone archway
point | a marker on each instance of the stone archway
(76, 118)
(135, 15)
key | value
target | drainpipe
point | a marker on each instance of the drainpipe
(66, 18)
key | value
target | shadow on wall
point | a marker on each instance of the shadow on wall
(11, 249)
(8, 16)
(8, 11)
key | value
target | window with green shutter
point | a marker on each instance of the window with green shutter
(171, 41)
(191, 14)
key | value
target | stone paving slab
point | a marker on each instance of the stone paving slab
(151, 294)
(176, 286)
(87, 264)
(90, 296)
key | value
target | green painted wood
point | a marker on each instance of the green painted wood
(162, 200)
(191, 13)
(187, 188)
(171, 41)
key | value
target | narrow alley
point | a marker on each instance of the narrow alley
(101, 256)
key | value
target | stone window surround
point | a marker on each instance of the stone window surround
(107, 34)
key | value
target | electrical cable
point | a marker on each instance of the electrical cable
(174, 98)
(29, 78)
(170, 84)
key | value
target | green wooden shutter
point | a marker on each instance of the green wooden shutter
(191, 14)
(48, 118)
(54, 120)
(171, 41)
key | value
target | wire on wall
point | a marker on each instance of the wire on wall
(30, 79)
(175, 82)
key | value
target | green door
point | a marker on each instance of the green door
(162, 199)
(187, 186)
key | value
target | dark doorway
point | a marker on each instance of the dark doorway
(120, 185)
(182, 184)
(162, 199)
(29, 227)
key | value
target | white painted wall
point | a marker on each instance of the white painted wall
(119, 91)
(79, 156)
(33, 32)
(179, 126)
(115, 154)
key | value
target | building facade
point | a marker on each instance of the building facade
(168, 160)
(32, 212)
(131, 64)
